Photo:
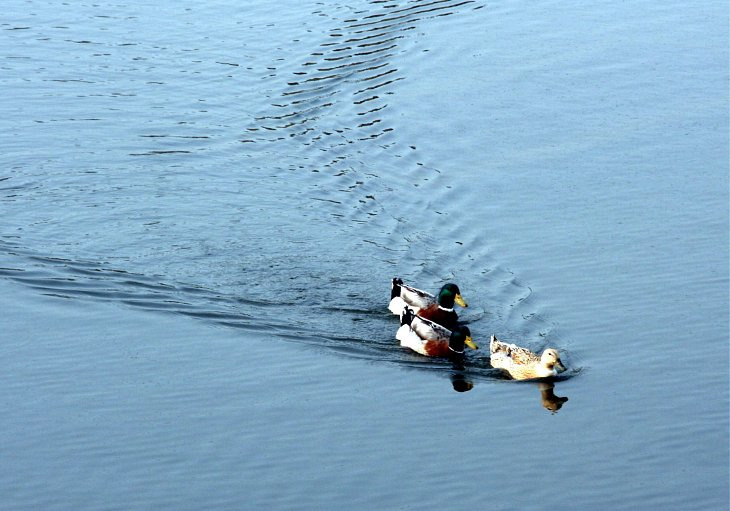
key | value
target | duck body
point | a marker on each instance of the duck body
(523, 364)
(439, 308)
(403, 295)
(431, 339)
(444, 317)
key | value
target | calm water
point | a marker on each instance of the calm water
(202, 207)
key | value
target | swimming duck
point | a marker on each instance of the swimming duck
(439, 309)
(523, 364)
(431, 339)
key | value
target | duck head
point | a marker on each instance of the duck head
(449, 295)
(460, 337)
(551, 359)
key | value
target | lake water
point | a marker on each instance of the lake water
(202, 206)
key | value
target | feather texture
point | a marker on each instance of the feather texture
(438, 308)
(523, 364)
(431, 339)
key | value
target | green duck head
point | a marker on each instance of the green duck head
(449, 295)
(460, 337)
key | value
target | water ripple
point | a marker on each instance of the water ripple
(357, 68)
(89, 280)
(323, 188)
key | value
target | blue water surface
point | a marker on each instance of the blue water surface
(203, 206)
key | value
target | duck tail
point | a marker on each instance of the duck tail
(395, 287)
(406, 317)
(494, 344)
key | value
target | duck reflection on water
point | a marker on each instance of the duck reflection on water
(464, 372)
(462, 381)
(550, 401)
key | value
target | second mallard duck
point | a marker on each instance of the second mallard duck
(431, 339)
(439, 308)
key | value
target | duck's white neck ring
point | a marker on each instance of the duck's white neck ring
(445, 309)
(459, 352)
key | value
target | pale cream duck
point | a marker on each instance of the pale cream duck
(523, 364)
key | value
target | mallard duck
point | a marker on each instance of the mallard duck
(439, 309)
(523, 364)
(431, 339)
